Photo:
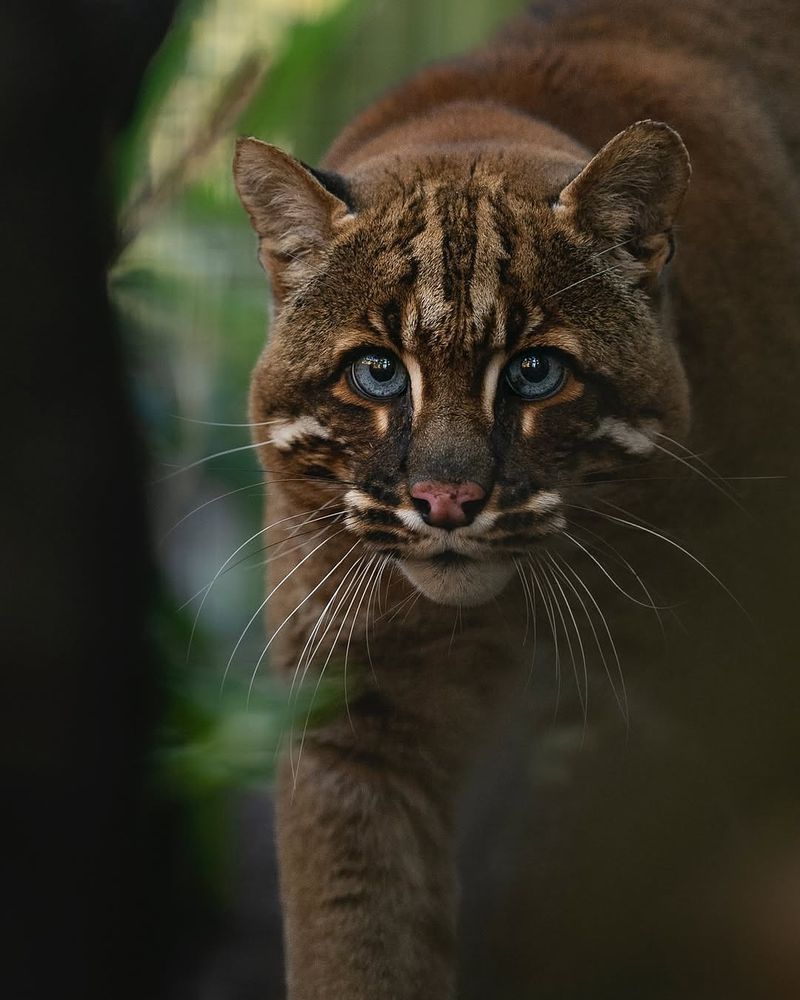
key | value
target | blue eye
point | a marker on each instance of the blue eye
(378, 375)
(536, 374)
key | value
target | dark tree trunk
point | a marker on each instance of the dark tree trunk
(77, 668)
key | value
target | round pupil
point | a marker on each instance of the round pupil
(381, 369)
(534, 367)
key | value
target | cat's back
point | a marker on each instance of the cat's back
(592, 66)
(756, 43)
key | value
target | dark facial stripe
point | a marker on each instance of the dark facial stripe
(378, 515)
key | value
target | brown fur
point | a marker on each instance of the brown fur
(458, 221)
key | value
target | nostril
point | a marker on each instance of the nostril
(421, 505)
(472, 508)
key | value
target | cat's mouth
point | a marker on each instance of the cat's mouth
(468, 566)
(450, 559)
(454, 579)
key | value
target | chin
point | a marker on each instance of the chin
(457, 581)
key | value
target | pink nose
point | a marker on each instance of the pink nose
(448, 505)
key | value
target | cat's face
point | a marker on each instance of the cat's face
(459, 345)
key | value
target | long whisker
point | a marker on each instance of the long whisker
(619, 557)
(578, 636)
(687, 453)
(615, 247)
(521, 576)
(367, 588)
(623, 701)
(267, 599)
(718, 486)
(210, 458)
(359, 588)
(580, 281)
(642, 604)
(375, 595)
(228, 561)
(552, 621)
(530, 597)
(202, 506)
(307, 536)
(353, 588)
(297, 606)
(397, 608)
(581, 698)
(308, 653)
(675, 545)
(217, 423)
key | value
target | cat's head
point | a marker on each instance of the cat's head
(460, 341)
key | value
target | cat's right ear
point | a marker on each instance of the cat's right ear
(292, 208)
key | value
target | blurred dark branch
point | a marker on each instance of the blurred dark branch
(156, 192)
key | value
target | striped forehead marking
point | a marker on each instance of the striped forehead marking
(460, 256)
(427, 251)
(484, 289)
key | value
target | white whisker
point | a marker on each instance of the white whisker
(551, 618)
(578, 636)
(210, 458)
(580, 281)
(228, 561)
(623, 701)
(581, 697)
(675, 545)
(353, 587)
(297, 607)
(264, 603)
(607, 575)
(368, 587)
(217, 423)
(718, 486)
(250, 486)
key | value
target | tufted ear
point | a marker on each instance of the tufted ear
(294, 210)
(631, 191)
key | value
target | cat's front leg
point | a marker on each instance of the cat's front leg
(367, 875)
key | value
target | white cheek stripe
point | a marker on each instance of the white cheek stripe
(544, 501)
(286, 432)
(358, 499)
(630, 438)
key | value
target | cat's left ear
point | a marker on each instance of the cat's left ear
(294, 210)
(630, 192)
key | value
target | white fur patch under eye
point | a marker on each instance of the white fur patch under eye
(490, 380)
(415, 377)
(628, 437)
(287, 432)
(543, 501)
